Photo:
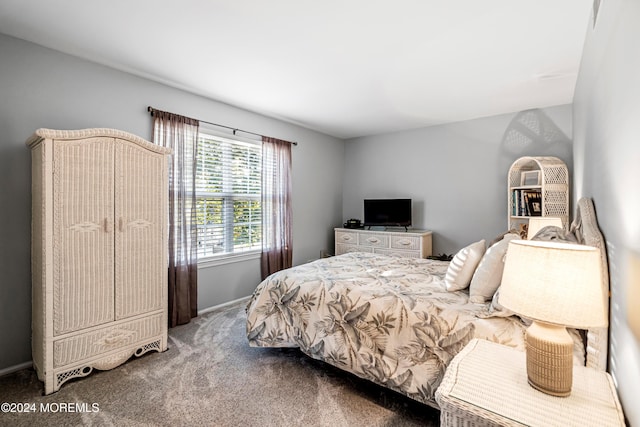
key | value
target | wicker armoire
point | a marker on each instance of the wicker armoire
(99, 251)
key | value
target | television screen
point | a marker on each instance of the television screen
(387, 212)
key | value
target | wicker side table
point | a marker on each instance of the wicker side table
(486, 385)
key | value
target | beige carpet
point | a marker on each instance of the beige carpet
(211, 377)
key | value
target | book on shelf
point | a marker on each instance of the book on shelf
(534, 203)
(526, 202)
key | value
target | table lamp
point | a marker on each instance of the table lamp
(555, 285)
(539, 222)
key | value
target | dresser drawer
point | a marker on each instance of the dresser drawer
(373, 240)
(82, 346)
(347, 237)
(399, 253)
(341, 248)
(405, 242)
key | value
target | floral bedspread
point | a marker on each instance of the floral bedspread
(386, 319)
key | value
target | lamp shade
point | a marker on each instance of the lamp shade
(539, 222)
(557, 283)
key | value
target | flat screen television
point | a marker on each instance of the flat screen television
(387, 212)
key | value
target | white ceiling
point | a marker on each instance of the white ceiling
(343, 67)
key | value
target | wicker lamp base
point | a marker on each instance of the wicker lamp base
(549, 358)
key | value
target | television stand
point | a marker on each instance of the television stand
(408, 243)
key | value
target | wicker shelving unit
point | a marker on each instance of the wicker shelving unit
(552, 185)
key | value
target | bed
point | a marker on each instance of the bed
(398, 322)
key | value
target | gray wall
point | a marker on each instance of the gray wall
(43, 88)
(607, 159)
(456, 173)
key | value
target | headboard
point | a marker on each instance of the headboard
(585, 228)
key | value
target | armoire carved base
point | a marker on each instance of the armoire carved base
(103, 364)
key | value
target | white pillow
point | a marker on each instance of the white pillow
(488, 275)
(463, 265)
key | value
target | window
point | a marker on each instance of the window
(228, 205)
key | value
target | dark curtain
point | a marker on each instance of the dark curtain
(181, 135)
(277, 252)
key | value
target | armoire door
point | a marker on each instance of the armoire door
(83, 233)
(140, 202)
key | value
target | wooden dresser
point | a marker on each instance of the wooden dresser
(412, 243)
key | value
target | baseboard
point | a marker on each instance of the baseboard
(15, 368)
(224, 304)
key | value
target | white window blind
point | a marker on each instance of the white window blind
(228, 206)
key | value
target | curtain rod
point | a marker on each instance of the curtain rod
(151, 110)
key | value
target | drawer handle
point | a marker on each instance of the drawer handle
(373, 240)
(404, 242)
(112, 340)
(347, 238)
(116, 337)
